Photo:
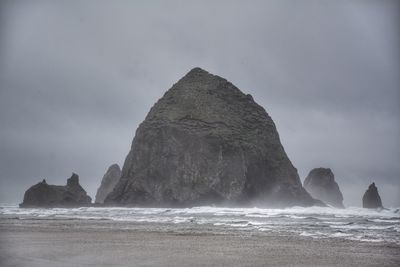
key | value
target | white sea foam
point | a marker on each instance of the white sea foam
(352, 223)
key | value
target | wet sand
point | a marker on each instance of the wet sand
(103, 243)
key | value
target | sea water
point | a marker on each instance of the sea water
(368, 225)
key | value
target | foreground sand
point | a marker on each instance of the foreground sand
(103, 243)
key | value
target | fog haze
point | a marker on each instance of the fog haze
(77, 78)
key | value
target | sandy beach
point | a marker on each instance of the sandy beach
(105, 243)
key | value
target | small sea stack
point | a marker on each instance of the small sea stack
(321, 184)
(371, 198)
(49, 196)
(110, 179)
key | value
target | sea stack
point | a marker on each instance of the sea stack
(48, 196)
(110, 179)
(203, 143)
(371, 198)
(321, 184)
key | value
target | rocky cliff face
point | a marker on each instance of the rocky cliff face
(371, 198)
(110, 179)
(205, 142)
(45, 195)
(321, 184)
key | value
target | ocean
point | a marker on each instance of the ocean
(353, 223)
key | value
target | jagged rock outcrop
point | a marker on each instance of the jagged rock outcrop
(371, 198)
(110, 179)
(205, 142)
(321, 184)
(45, 195)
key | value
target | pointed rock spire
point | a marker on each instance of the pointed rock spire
(110, 179)
(371, 198)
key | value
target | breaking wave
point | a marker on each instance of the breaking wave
(352, 223)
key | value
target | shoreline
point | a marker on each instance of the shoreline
(48, 242)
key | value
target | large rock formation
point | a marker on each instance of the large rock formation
(371, 198)
(110, 179)
(45, 195)
(320, 183)
(205, 142)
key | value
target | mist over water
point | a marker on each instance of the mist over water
(353, 223)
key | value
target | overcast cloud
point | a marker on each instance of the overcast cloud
(77, 77)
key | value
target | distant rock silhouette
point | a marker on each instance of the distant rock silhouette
(321, 184)
(205, 142)
(371, 198)
(45, 195)
(110, 179)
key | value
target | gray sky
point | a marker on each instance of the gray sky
(77, 77)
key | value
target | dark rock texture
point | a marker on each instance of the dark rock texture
(320, 183)
(45, 195)
(371, 198)
(110, 179)
(205, 142)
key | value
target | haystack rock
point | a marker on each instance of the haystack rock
(45, 195)
(110, 179)
(371, 198)
(205, 142)
(321, 184)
